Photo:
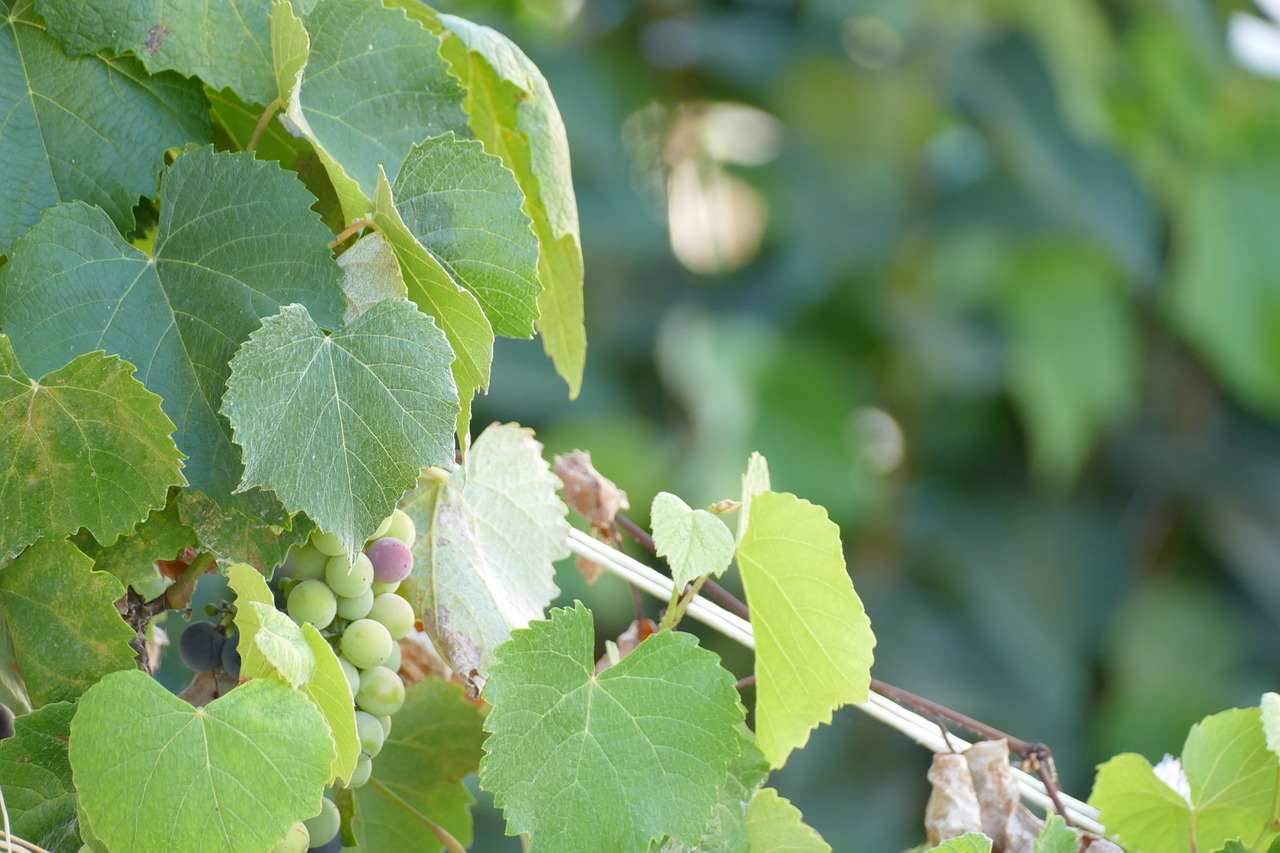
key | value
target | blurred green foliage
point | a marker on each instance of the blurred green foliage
(995, 281)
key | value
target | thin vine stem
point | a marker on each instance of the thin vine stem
(731, 602)
(358, 225)
(441, 834)
(261, 127)
(676, 613)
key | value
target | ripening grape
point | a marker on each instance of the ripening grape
(352, 674)
(305, 562)
(326, 822)
(379, 587)
(297, 841)
(402, 527)
(381, 691)
(348, 579)
(364, 769)
(355, 608)
(393, 662)
(370, 732)
(200, 646)
(366, 643)
(328, 543)
(231, 656)
(314, 602)
(392, 560)
(382, 528)
(393, 612)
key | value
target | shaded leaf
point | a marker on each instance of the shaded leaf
(132, 559)
(240, 538)
(727, 831)
(38, 791)
(370, 274)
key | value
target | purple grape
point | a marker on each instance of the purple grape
(231, 656)
(200, 646)
(392, 560)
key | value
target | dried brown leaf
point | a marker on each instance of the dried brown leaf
(592, 495)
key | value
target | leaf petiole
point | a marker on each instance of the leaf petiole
(441, 834)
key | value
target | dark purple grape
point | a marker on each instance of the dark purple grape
(200, 646)
(231, 656)
(334, 845)
(6, 721)
(392, 560)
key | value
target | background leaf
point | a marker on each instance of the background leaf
(51, 599)
(235, 242)
(694, 542)
(101, 139)
(973, 842)
(239, 538)
(86, 446)
(370, 274)
(132, 559)
(338, 425)
(488, 537)
(813, 639)
(233, 775)
(38, 791)
(611, 762)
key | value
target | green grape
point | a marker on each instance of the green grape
(326, 823)
(297, 841)
(394, 612)
(381, 691)
(352, 674)
(394, 660)
(357, 607)
(312, 601)
(328, 543)
(385, 719)
(366, 644)
(402, 527)
(382, 528)
(370, 732)
(349, 579)
(306, 562)
(380, 587)
(364, 769)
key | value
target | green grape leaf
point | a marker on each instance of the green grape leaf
(370, 274)
(1233, 846)
(465, 207)
(774, 825)
(434, 743)
(489, 536)
(813, 638)
(86, 446)
(371, 84)
(233, 775)
(972, 842)
(338, 425)
(227, 45)
(38, 792)
(235, 242)
(53, 600)
(1057, 837)
(114, 110)
(132, 559)
(694, 542)
(1232, 777)
(273, 646)
(754, 481)
(727, 830)
(586, 762)
(453, 307)
(12, 691)
(514, 114)
(1270, 711)
(236, 537)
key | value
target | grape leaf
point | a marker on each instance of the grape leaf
(727, 830)
(489, 536)
(1232, 776)
(12, 692)
(465, 207)
(132, 559)
(813, 638)
(236, 537)
(972, 842)
(1057, 837)
(86, 446)
(338, 425)
(514, 114)
(586, 762)
(224, 44)
(53, 600)
(233, 775)
(434, 742)
(754, 481)
(373, 83)
(37, 779)
(774, 825)
(272, 645)
(1270, 711)
(235, 242)
(694, 542)
(370, 274)
(57, 109)
(455, 310)
(235, 121)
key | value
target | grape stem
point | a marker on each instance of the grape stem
(179, 594)
(441, 834)
(358, 225)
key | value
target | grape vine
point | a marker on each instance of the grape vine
(255, 260)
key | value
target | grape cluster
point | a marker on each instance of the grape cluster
(205, 647)
(354, 604)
